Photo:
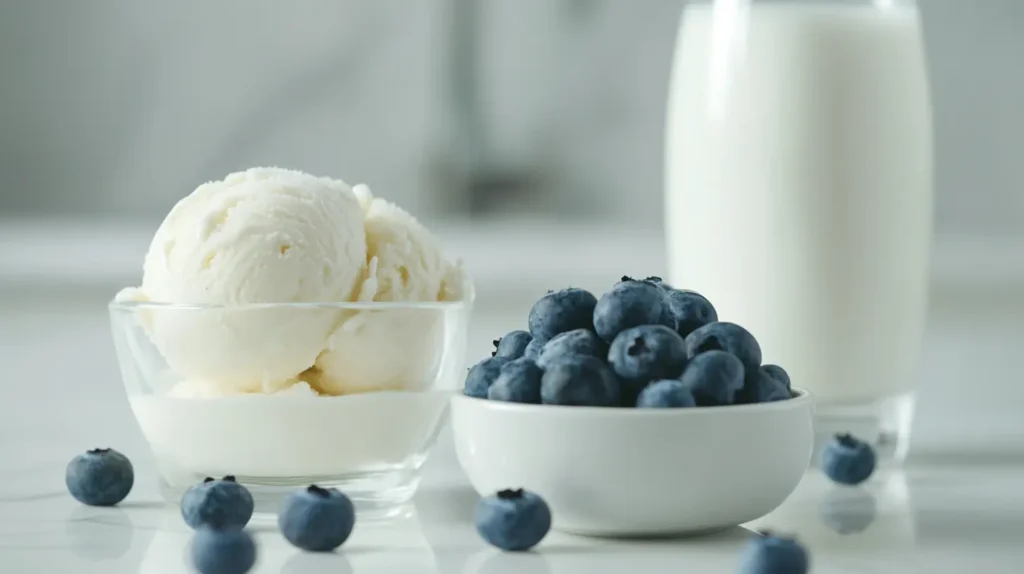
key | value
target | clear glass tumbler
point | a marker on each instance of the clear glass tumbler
(346, 395)
(799, 193)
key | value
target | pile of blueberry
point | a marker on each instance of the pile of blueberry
(643, 344)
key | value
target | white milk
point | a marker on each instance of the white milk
(799, 186)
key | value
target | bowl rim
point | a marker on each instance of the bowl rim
(130, 306)
(464, 304)
(802, 398)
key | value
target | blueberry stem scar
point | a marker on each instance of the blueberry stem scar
(317, 491)
(99, 451)
(637, 347)
(229, 478)
(208, 479)
(510, 494)
(847, 440)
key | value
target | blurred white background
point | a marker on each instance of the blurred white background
(118, 107)
(528, 132)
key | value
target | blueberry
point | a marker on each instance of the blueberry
(778, 373)
(533, 349)
(770, 554)
(848, 460)
(512, 346)
(728, 337)
(100, 477)
(317, 519)
(576, 342)
(223, 551)
(581, 381)
(513, 520)
(643, 354)
(631, 304)
(667, 394)
(656, 281)
(760, 387)
(714, 377)
(217, 504)
(652, 279)
(690, 309)
(482, 375)
(562, 311)
(518, 382)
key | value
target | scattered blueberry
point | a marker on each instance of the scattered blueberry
(533, 349)
(482, 375)
(100, 477)
(714, 377)
(518, 382)
(223, 551)
(667, 394)
(629, 304)
(770, 554)
(217, 504)
(728, 337)
(643, 354)
(691, 309)
(512, 346)
(513, 520)
(848, 460)
(760, 387)
(562, 311)
(778, 373)
(576, 342)
(581, 381)
(317, 519)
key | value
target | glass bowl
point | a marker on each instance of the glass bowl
(344, 395)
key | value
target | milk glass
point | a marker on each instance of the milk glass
(799, 194)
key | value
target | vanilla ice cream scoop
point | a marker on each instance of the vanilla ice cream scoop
(394, 348)
(265, 235)
(410, 263)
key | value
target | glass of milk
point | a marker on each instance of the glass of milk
(799, 194)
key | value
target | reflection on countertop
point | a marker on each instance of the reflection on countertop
(927, 519)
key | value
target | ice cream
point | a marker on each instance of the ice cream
(393, 348)
(269, 235)
(260, 236)
(410, 265)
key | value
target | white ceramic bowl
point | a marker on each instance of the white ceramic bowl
(633, 472)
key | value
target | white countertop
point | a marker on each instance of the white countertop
(958, 507)
(928, 519)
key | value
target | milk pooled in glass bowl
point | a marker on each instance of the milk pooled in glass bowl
(292, 329)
